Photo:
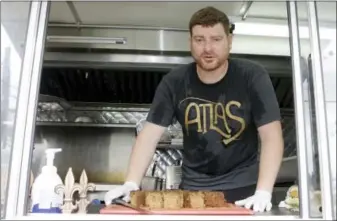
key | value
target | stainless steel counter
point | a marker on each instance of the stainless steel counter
(276, 211)
(275, 214)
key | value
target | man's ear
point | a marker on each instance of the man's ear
(230, 41)
(190, 41)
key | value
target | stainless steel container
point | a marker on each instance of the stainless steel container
(151, 182)
(173, 177)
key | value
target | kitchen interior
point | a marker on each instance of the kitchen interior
(102, 63)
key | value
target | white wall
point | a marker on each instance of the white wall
(329, 77)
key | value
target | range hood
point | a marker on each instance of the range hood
(132, 83)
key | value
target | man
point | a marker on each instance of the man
(223, 105)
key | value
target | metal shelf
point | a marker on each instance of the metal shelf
(71, 124)
(169, 146)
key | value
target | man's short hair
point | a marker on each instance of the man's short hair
(208, 17)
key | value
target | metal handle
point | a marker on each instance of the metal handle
(320, 109)
(299, 108)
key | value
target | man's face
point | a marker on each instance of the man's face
(210, 46)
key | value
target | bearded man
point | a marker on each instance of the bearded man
(224, 105)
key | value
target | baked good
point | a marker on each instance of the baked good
(173, 199)
(214, 199)
(194, 199)
(137, 198)
(154, 199)
(177, 199)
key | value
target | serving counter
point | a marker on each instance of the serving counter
(274, 214)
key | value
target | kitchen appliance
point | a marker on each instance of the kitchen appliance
(173, 176)
(151, 182)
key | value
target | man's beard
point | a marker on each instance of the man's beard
(209, 66)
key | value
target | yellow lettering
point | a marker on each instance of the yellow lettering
(233, 117)
(204, 113)
(220, 114)
(197, 118)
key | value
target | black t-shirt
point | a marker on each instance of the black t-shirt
(219, 122)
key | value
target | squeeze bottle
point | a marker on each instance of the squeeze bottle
(44, 198)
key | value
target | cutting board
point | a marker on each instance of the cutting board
(233, 210)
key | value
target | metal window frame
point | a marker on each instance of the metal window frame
(17, 192)
(320, 110)
(302, 151)
(27, 101)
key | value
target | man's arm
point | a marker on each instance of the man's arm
(159, 117)
(271, 154)
(267, 119)
(143, 151)
(266, 114)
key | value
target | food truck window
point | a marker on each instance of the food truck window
(23, 26)
(14, 24)
(326, 15)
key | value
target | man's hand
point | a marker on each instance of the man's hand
(121, 191)
(260, 201)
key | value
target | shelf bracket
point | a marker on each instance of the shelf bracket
(244, 9)
(75, 14)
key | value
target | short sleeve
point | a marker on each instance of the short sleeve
(162, 108)
(265, 107)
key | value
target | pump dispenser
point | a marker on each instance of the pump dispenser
(44, 198)
(50, 155)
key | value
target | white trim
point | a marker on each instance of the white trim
(149, 217)
(277, 30)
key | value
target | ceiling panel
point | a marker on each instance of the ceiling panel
(21, 10)
(167, 14)
(175, 14)
(60, 12)
(278, 10)
(326, 11)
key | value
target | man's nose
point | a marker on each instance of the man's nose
(208, 46)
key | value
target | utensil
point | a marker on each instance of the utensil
(121, 202)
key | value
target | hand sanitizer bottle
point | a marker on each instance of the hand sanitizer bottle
(44, 198)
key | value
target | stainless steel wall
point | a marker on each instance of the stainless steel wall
(102, 152)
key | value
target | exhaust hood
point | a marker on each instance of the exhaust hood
(85, 39)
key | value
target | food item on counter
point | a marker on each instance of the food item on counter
(154, 199)
(194, 199)
(291, 201)
(173, 199)
(177, 199)
(292, 197)
(137, 198)
(293, 192)
(214, 199)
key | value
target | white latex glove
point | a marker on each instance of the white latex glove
(260, 201)
(121, 191)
